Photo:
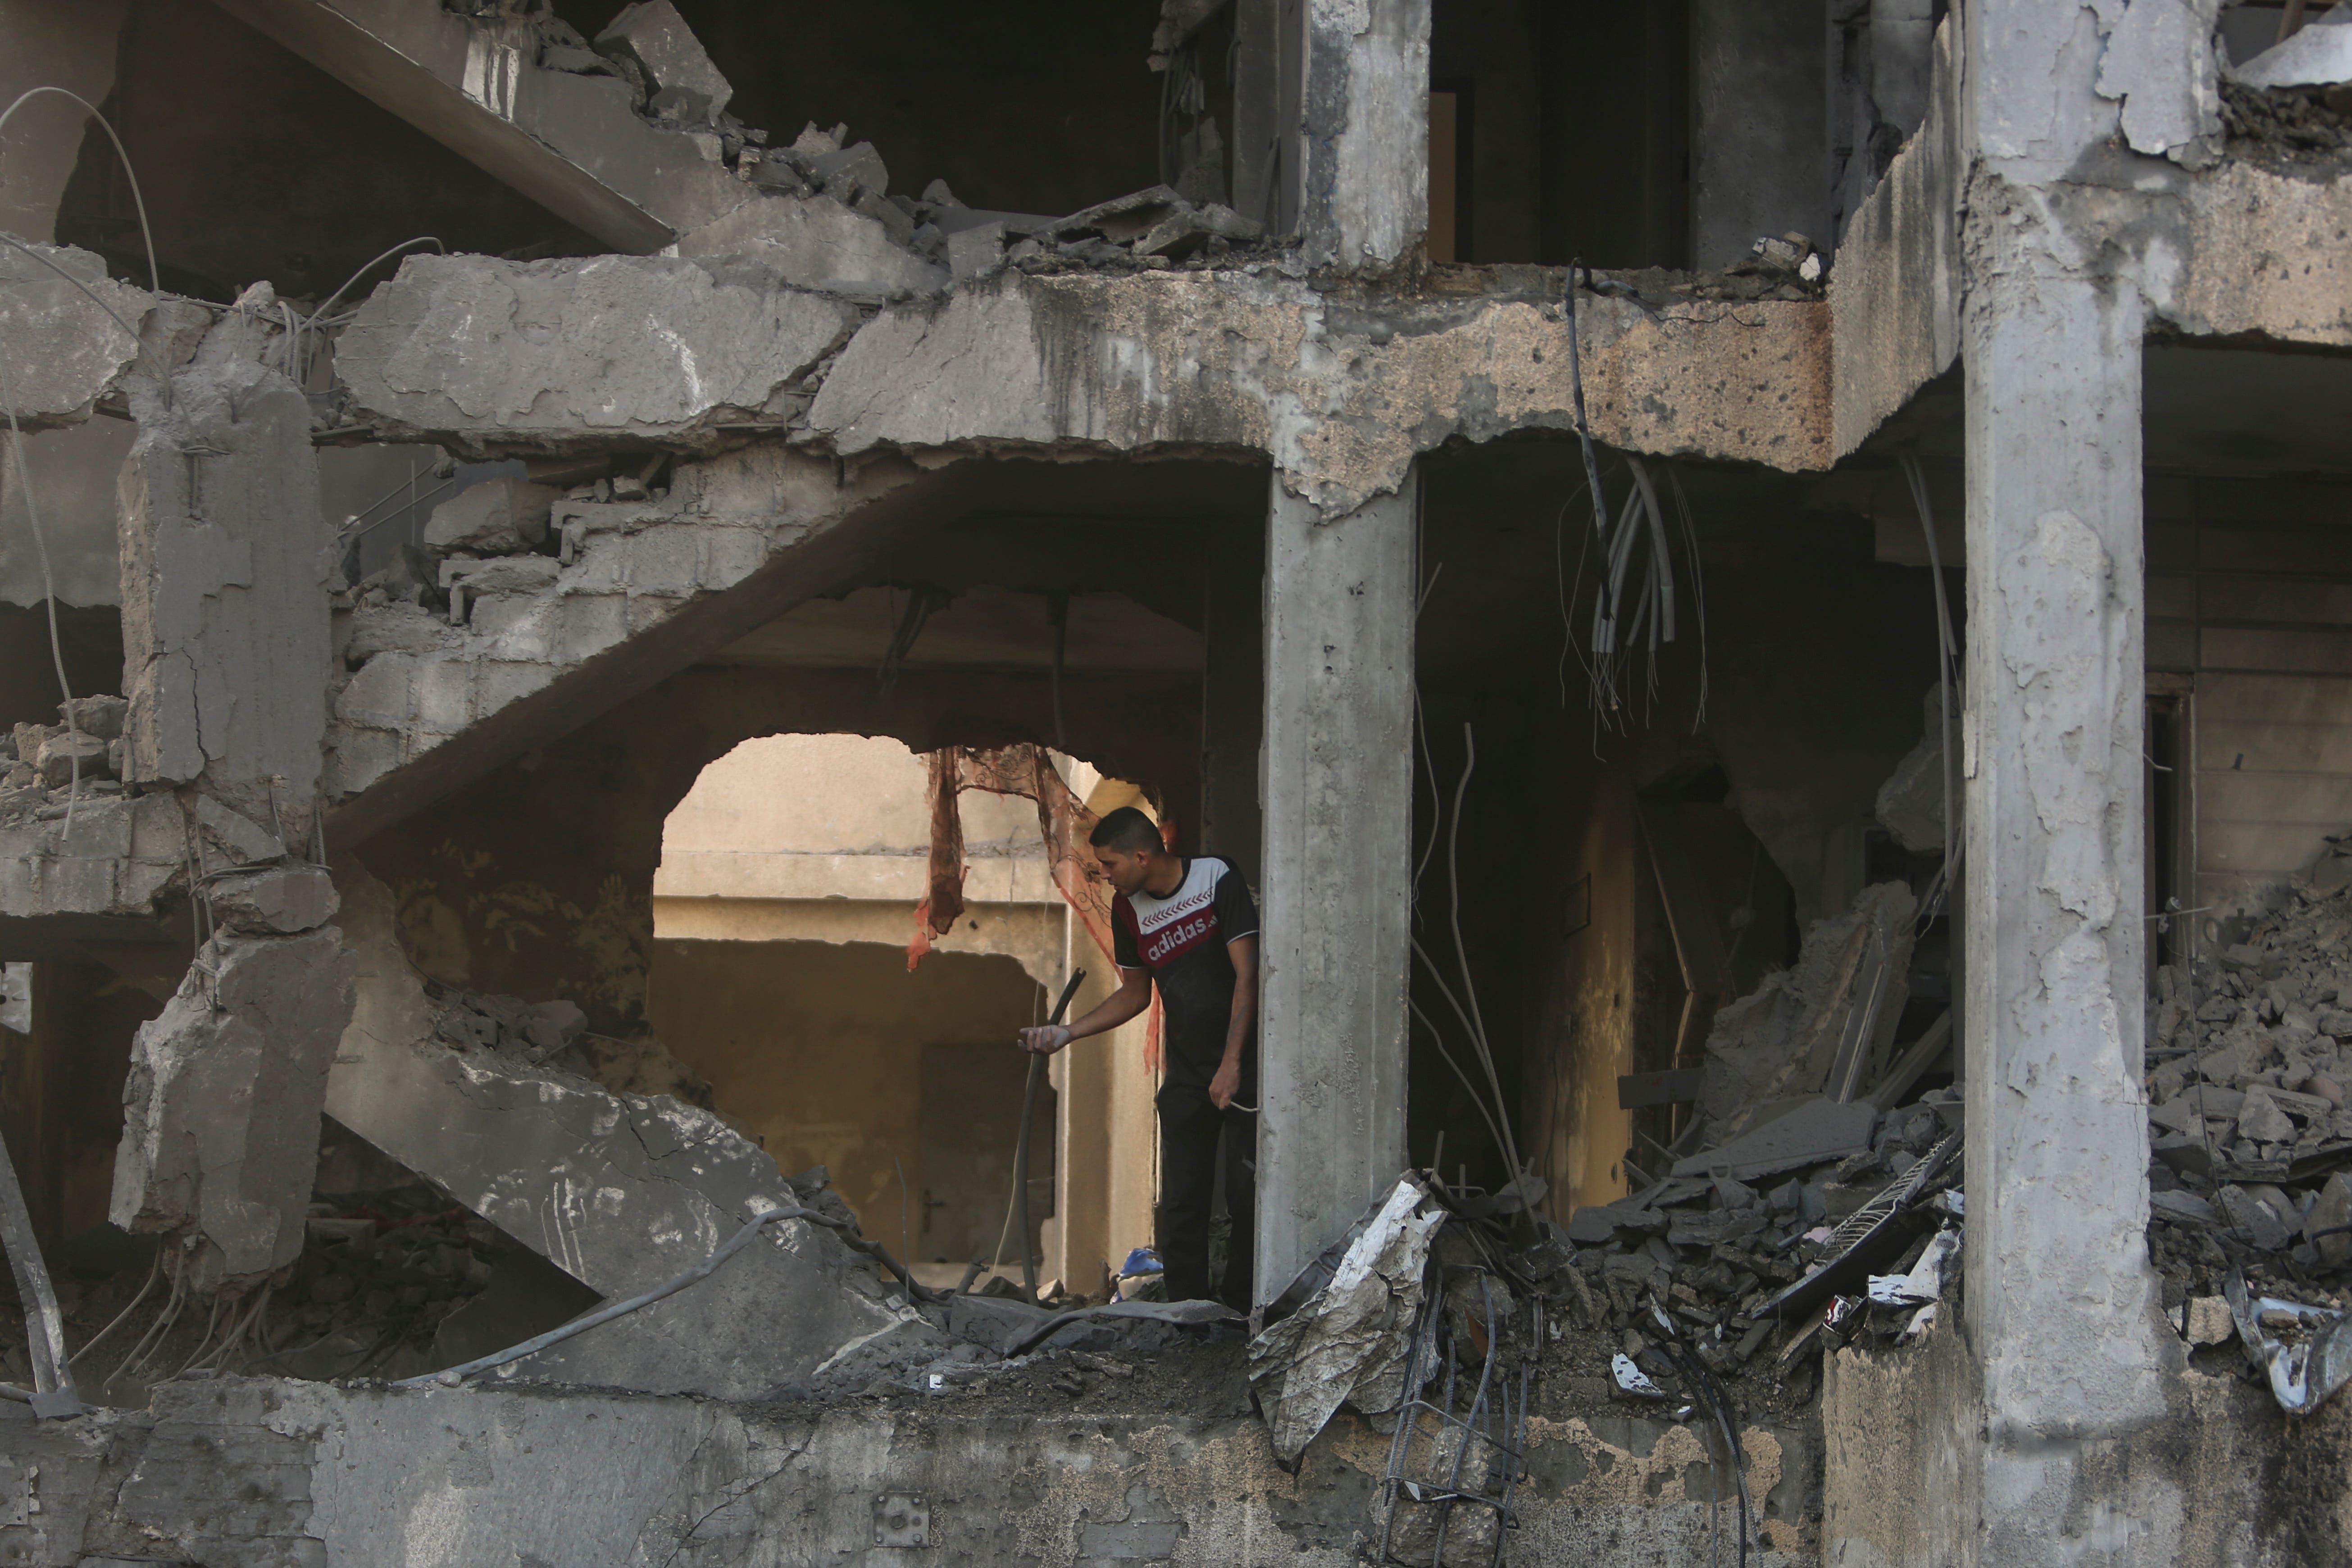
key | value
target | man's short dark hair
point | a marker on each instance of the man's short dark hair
(1127, 830)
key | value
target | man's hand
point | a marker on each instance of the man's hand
(1044, 1039)
(1226, 1084)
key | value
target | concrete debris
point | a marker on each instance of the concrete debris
(2251, 1145)
(500, 516)
(2318, 54)
(1349, 1342)
(1812, 1133)
(652, 36)
(220, 1134)
(1824, 1027)
(226, 636)
(279, 901)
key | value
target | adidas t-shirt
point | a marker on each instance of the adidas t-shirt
(1181, 940)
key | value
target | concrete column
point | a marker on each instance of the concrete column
(2061, 1297)
(1365, 202)
(1337, 899)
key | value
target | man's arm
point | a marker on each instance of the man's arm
(1133, 995)
(1228, 1079)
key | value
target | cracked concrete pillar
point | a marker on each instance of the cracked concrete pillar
(2060, 1300)
(226, 559)
(1365, 140)
(1337, 902)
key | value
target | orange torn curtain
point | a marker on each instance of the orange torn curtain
(1062, 821)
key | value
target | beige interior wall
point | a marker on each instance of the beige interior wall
(794, 863)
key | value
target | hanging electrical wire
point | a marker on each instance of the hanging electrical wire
(1635, 611)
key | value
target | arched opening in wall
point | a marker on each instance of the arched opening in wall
(793, 971)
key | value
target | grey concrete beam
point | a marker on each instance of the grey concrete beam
(1337, 902)
(574, 143)
(1365, 140)
(478, 91)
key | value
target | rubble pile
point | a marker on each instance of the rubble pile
(1737, 1263)
(42, 760)
(1805, 1199)
(2249, 1051)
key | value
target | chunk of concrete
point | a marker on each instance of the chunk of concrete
(976, 252)
(2265, 1225)
(99, 716)
(651, 34)
(587, 349)
(2183, 1208)
(220, 1112)
(2261, 1119)
(1812, 1134)
(227, 647)
(500, 516)
(851, 172)
(70, 754)
(279, 901)
(621, 1192)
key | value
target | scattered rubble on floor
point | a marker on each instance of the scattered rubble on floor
(2249, 1051)
(1813, 1196)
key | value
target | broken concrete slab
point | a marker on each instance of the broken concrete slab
(1810, 1134)
(623, 1193)
(123, 854)
(500, 516)
(220, 1135)
(470, 349)
(279, 901)
(63, 350)
(651, 34)
(226, 561)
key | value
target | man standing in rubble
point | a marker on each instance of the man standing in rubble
(1188, 925)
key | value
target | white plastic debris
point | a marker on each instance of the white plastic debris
(1632, 1379)
(2305, 1351)
(1349, 1343)
(1924, 1283)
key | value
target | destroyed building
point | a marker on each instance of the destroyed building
(1757, 586)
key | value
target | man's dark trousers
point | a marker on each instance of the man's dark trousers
(1190, 1123)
